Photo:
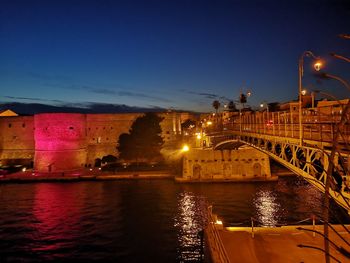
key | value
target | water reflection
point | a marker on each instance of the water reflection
(267, 208)
(137, 220)
(190, 221)
(56, 217)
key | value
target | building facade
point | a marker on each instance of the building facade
(69, 141)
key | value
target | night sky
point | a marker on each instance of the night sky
(169, 54)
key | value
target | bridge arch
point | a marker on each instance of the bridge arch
(307, 161)
(228, 145)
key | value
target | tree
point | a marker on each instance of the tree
(109, 159)
(231, 106)
(216, 105)
(188, 124)
(144, 141)
(242, 98)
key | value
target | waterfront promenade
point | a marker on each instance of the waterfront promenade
(281, 244)
(84, 175)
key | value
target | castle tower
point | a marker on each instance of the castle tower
(60, 142)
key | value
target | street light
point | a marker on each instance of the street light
(185, 148)
(317, 67)
(340, 57)
(263, 104)
(243, 99)
(341, 80)
(331, 159)
(345, 36)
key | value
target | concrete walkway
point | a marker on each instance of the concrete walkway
(82, 175)
(280, 244)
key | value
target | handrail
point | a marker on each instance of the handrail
(218, 247)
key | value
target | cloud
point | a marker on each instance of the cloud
(32, 99)
(206, 95)
(209, 95)
(62, 81)
(124, 93)
(30, 108)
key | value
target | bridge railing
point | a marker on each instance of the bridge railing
(316, 126)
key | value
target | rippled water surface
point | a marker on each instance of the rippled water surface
(138, 220)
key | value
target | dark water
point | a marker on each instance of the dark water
(139, 220)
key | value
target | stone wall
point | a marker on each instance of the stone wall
(65, 141)
(103, 131)
(16, 139)
(60, 141)
(243, 164)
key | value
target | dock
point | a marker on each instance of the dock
(302, 243)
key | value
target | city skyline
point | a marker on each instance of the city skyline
(172, 54)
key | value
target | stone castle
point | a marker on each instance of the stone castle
(55, 142)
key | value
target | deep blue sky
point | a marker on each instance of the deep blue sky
(166, 53)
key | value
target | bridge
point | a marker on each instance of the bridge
(314, 145)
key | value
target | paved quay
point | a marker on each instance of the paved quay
(281, 244)
(85, 175)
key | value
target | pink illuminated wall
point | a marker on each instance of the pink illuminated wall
(60, 142)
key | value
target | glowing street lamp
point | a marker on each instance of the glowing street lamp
(185, 148)
(318, 65)
(264, 104)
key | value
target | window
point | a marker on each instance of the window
(23, 125)
(10, 125)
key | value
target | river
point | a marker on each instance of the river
(139, 220)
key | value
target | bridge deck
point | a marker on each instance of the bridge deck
(279, 244)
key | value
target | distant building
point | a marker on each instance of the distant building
(7, 113)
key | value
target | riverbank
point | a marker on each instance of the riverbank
(84, 175)
(97, 175)
(227, 180)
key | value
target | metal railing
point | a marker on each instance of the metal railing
(217, 249)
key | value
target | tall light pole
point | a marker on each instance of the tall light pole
(267, 106)
(242, 99)
(317, 67)
(267, 113)
(331, 156)
(346, 59)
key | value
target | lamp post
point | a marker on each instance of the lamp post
(267, 107)
(242, 99)
(265, 122)
(331, 156)
(346, 59)
(317, 67)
